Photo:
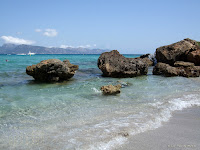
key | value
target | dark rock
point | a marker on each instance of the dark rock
(113, 64)
(176, 52)
(52, 70)
(194, 57)
(145, 56)
(110, 89)
(169, 71)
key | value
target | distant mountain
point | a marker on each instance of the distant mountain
(18, 49)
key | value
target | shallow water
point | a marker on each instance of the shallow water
(74, 114)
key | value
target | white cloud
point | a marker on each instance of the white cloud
(80, 46)
(14, 40)
(86, 46)
(95, 45)
(66, 46)
(38, 30)
(50, 32)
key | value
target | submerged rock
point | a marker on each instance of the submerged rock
(110, 89)
(113, 64)
(52, 70)
(176, 52)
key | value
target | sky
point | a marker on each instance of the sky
(130, 26)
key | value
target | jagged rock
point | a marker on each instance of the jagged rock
(52, 70)
(169, 71)
(194, 57)
(113, 64)
(146, 59)
(110, 89)
(176, 52)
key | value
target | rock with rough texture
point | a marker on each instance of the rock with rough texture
(194, 57)
(113, 64)
(52, 70)
(165, 69)
(176, 52)
(110, 89)
(146, 59)
(181, 70)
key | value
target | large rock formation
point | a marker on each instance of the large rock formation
(113, 64)
(178, 59)
(52, 70)
(176, 52)
(110, 89)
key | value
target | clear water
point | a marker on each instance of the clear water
(74, 114)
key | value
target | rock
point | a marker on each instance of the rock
(176, 52)
(194, 57)
(124, 84)
(110, 89)
(183, 64)
(52, 70)
(181, 70)
(113, 64)
(146, 58)
(165, 69)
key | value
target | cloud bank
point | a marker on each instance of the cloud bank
(48, 32)
(81, 46)
(14, 40)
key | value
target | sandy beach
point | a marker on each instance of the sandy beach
(181, 132)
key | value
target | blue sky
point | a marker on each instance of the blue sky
(130, 26)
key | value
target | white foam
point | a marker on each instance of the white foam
(166, 109)
(96, 90)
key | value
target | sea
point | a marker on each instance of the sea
(75, 115)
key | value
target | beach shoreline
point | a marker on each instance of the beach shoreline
(180, 132)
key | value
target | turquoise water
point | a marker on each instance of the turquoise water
(74, 114)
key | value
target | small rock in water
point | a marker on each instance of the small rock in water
(123, 84)
(110, 89)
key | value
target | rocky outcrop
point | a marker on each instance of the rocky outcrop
(110, 89)
(182, 69)
(176, 52)
(178, 59)
(113, 64)
(52, 70)
(146, 59)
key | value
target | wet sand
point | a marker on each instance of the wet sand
(182, 132)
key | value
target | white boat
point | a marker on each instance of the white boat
(31, 53)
